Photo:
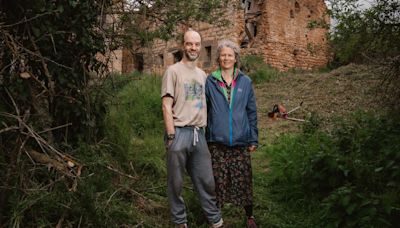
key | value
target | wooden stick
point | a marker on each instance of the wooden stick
(121, 173)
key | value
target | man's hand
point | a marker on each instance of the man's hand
(170, 139)
(168, 143)
(167, 102)
(251, 148)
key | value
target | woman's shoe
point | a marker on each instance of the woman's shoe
(251, 222)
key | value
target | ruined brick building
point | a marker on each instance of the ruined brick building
(282, 32)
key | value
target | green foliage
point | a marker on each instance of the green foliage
(361, 35)
(349, 178)
(105, 198)
(53, 100)
(390, 73)
(258, 70)
(95, 203)
(291, 163)
(49, 103)
(55, 49)
(135, 123)
(144, 22)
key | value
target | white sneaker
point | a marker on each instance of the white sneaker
(183, 225)
(219, 224)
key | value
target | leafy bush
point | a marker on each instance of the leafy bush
(390, 73)
(258, 70)
(361, 35)
(107, 191)
(353, 174)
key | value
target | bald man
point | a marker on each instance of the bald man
(185, 117)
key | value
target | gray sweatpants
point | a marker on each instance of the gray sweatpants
(196, 159)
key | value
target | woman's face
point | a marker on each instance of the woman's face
(227, 58)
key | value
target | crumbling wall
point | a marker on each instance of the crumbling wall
(292, 34)
(286, 33)
(164, 53)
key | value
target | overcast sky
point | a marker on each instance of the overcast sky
(363, 3)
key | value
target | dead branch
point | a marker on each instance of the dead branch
(121, 173)
(55, 128)
(15, 46)
(27, 20)
(13, 101)
(62, 167)
(45, 159)
(11, 128)
(50, 83)
(140, 224)
(61, 220)
(137, 193)
(63, 163)
(109, 199)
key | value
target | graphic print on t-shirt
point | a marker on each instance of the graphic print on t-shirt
(193, 92)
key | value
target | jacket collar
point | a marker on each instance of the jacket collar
(218, 74)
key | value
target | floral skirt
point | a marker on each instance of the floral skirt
(232, 174)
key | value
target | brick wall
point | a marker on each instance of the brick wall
(287, 39)
(279, 32)
(163, 53)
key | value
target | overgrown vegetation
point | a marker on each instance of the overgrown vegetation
(365, 34)
(61, 164)
(80, 148)
(348, 179)
(258, 71)
(134, 124)
(369, 35)
(49, 108)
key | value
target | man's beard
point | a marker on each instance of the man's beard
(191, 57)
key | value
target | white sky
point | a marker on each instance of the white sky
(363, 3)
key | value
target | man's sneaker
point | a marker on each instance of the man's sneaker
(183, 225)
(219, 224)
(251, 222)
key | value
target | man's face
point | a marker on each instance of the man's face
(191, 45)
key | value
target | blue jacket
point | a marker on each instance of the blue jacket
(232, 124)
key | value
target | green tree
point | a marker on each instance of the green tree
(361, 33)
(52, 98)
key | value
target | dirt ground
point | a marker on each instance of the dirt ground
(330, 95)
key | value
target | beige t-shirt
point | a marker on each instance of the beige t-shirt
(187, 86)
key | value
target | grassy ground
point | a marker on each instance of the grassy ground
(329, 95)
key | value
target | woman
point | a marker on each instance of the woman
(232, 131)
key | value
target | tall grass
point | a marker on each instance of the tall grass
(135, 124)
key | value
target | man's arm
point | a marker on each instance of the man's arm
(167, 102)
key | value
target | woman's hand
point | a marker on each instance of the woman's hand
(251, 148)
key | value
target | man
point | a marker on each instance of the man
(185, 116)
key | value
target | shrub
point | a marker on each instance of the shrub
(351, 174)
(258, 70)
(362, 35)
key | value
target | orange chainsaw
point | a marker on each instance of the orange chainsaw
(279, 111)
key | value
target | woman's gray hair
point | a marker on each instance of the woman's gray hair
(230, 44)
